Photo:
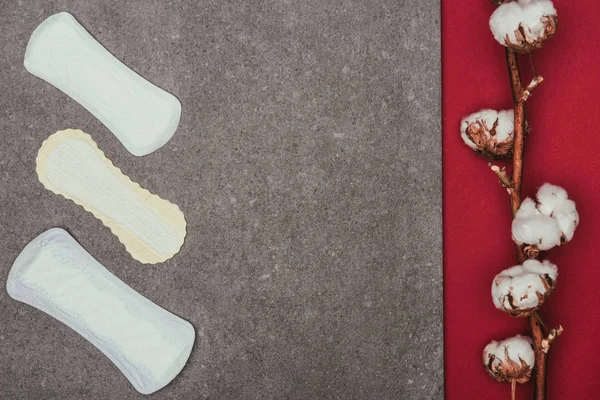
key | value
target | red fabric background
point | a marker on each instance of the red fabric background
(562, 149)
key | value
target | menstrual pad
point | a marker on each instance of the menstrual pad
(69, 163)
(147, 343)
(142, 116)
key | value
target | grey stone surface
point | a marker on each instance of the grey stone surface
(307, 163)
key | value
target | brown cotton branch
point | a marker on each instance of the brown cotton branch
(519, 135)
(535, 322)
(520, 96)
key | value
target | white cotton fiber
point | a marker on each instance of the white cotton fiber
(521, 289)
(504, 129)
(510, 359)
(505, 21)
(554, 201)
(534, 228)
(550, 222)
(549, 196)
(489, 132)
(519, 348)
(567, 218)
(527, 14)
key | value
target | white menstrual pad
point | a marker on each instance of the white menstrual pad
(147, 343)
(69, 163)
(142, 116)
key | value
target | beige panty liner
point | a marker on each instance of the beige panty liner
(70, 164)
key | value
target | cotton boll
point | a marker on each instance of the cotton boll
(505, 21)
(549, 196)
(522, 289)
(550, 222)
(531, 227)
(524, 25)
(567, 218)
(553, 201)
(511, 359)
(489, 133)
(540, 231)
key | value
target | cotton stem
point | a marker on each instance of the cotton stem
(520, 95)
(519, 136)
(540, 356)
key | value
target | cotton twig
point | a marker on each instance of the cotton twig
(532, 64)
(501, 173)
(535, 82)
(554, 333)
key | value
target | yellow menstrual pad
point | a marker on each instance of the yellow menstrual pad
(70, 164)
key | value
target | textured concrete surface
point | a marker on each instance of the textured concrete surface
(307, 162)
